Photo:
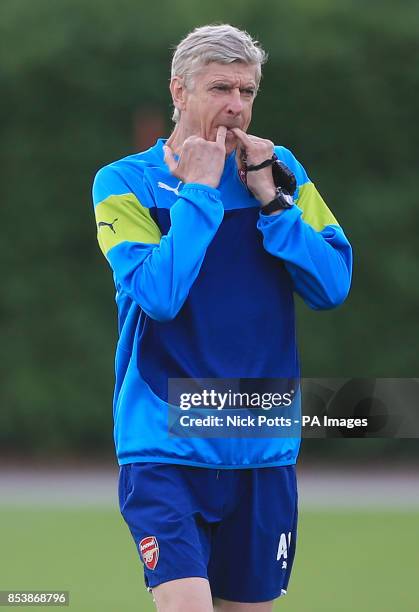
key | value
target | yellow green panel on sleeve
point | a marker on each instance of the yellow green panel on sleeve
(121, 218)
(315, 210)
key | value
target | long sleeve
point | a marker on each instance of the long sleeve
(156, 271)
(310, 242)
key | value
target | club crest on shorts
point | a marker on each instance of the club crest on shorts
(149, 550)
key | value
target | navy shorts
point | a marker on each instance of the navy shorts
(235, 527)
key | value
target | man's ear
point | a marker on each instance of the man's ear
(179, 92)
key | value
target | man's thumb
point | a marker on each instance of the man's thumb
(169, 158)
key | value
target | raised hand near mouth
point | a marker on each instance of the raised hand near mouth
(253, 150)
(200, 161)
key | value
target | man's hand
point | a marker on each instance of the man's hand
(254, 151)
(201, 161)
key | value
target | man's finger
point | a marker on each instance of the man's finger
(169, 159)
(242, 136)
(221, 134)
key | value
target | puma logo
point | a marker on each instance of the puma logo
(168, 188)
(102, 223)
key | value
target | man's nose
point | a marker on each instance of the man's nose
(235, 103)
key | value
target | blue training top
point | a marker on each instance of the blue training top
(204, 289)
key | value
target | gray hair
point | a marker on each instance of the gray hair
(215, 43)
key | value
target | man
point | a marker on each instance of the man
(207, 247)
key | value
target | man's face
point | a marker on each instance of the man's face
(221, 94)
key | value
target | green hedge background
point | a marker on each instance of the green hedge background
(340, 89)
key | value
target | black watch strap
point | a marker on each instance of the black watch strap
(264, 164)
(282, 201)
(281, 174)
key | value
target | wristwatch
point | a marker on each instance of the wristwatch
(284, 180)
(282, 201)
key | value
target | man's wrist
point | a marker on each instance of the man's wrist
(207, 181)
(267, 196)
(282, 201)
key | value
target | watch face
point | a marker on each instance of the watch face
(282, 201)
(285, 198)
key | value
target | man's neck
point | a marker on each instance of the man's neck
(177, 138)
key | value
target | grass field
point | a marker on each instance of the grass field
(346, 560)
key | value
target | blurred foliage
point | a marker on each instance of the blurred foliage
(340, 89)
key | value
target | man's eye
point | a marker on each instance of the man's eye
(247, 92)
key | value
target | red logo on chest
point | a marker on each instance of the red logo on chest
(149, 550)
